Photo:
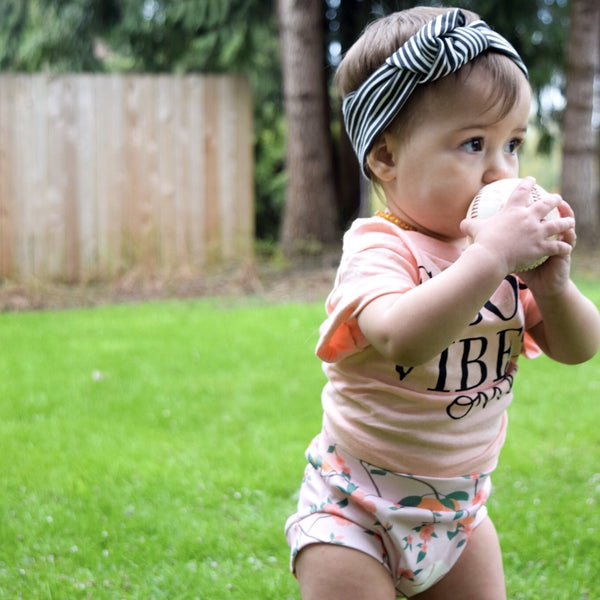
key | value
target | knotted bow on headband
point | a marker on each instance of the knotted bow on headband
(441, 47)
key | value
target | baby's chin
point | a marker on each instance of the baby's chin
(451, 234)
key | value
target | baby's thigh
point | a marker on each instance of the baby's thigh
(340, 573)
(478, 573)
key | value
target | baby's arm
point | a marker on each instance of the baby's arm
(413, 327)
(570, 328)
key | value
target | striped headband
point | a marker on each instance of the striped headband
(441, 47)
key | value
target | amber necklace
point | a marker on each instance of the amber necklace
(395, 220)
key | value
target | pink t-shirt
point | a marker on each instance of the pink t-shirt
(444, 418)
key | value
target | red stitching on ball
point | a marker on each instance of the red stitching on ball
(475, 206)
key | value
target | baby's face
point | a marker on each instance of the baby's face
(460, 144)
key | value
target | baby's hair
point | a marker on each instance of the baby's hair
(380, 39)
(383, 37)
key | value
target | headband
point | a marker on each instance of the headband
(442, 46)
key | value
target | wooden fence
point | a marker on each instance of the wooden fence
(102, 174)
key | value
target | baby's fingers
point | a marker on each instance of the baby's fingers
(561, 227)
(558, 247)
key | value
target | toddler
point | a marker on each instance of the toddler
(427, 318)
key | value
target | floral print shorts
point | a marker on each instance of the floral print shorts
(415, 526)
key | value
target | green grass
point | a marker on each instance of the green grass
(154, 451)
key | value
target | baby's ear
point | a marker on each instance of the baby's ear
(381, 159)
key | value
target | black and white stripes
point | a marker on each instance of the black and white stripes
(439, 48)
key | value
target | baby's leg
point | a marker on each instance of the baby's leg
(340, 573)
(477, 574)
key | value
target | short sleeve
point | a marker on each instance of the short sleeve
(532, 317)
(375, 262)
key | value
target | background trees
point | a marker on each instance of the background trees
(579, 179)
(246, 35)
(309, 214)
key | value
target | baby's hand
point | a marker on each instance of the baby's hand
(555, 272)
(518, 236)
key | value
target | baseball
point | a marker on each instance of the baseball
(492, 197)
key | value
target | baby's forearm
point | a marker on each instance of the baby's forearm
(414, 327)
(570, 329)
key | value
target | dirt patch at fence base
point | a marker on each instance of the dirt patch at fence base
(306, 282)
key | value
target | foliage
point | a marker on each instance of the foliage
(147, 35)
(169, 35)
(154, 451)
(53, 35)
(270, 171)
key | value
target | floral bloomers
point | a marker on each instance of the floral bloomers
(415, 526)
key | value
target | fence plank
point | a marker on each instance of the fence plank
(7, 216)
(101, 174)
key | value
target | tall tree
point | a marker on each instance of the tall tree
(579, 170)
(309, 215)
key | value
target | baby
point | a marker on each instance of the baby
(427, 318)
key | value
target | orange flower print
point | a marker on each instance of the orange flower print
(467, 522)
(337, 513)
(339, 464)
(335, 463)
(480, 497)
(427, 532)
(435, 505)
(387, 526)
(359, 497)
(467, 526)
(336, 539)
(330, 462)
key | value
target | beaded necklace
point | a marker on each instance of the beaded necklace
(395, 220)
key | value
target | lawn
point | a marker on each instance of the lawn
(153, 451)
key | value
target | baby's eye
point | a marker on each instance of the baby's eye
(473, 145)
(514, 145)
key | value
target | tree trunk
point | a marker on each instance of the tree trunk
(579, 182)
(309, 218)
